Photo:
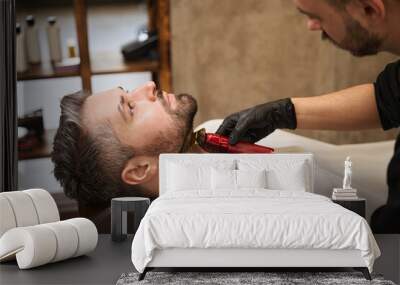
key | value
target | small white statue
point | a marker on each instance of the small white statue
(347, 173)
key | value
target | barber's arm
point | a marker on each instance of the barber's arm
(364, 106)
(349, 109)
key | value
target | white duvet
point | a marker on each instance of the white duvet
(250, 219)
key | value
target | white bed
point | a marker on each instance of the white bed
(210, 226)
(370, 161)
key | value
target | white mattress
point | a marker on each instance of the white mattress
(252, 218)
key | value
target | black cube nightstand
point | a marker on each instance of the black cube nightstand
(357, 205)
(119, 208)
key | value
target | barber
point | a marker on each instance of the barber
(363, 27)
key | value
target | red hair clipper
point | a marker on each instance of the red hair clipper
(217, 143)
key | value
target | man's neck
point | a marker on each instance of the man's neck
(190, 146)
(195, 148)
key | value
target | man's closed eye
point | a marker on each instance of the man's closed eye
(131, 107)
(123, 105)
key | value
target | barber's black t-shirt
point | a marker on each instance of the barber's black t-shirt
(386, 219)
(387, 93)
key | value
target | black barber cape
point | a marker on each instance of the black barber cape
(386, 219)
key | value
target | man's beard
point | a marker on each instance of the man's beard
(183, 118)
(358, 41)
(172, 139)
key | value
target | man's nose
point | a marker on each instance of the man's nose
(150, 91)
(145, 92)
(314, 25)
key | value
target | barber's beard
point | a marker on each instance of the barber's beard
(171, 140)
(358, 41)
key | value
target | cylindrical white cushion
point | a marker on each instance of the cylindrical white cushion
(45, 205)
(34, 245)
(87, 233)
(67, 239)
(37, 245)
(7, 218)
(23, 208)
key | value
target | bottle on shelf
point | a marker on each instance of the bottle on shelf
(21, 63)
(32, 41)
(53, 37)
(71, 44)
(72, 61)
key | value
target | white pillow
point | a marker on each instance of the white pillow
(182, 177)
(223, 179)
(251, 178)
(292, 175)
(187, 175)
(226, 179)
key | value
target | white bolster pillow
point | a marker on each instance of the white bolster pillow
(7, 219)
(40, 244)
(26, 208)
(67, 240)
(46, 207)
(32, 246)
(24, 211)
(87, 235)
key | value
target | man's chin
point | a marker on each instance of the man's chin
(188, 104)
(188, 99)
(186, 110)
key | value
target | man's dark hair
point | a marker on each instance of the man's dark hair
(88, 164)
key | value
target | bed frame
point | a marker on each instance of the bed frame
(242, 259)
(246, 259)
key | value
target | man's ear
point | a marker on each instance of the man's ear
(367, 12)
(139, 170)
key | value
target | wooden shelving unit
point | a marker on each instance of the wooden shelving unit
(44, 71)
(107, 62)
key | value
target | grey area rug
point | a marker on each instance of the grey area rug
(230, 278)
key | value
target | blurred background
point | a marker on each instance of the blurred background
(228, 54)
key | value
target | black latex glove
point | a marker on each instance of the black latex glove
(255, 123)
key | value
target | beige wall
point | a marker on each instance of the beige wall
(232, 54)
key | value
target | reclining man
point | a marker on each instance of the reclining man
(107, 144)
